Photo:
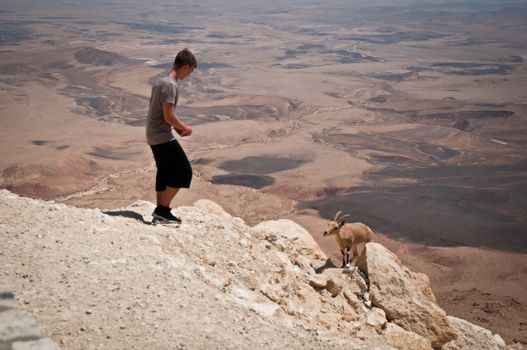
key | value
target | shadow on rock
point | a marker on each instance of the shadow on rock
(327, 265)
(128, 214)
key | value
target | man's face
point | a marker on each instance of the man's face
(185, 72)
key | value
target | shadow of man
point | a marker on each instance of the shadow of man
(128, 214)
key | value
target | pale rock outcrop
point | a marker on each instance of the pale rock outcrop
(352, 299)
(211, 207)
(339, 280)
(40, 344)
(291, 231)
(405, 296)
(404, 340)
(15, 324)
(318, 281)
(334, 288)
(360, 284)
(470, 336)
(18, 330)
(376, 318)
(121, 281)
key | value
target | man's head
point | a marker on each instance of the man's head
(184, 64)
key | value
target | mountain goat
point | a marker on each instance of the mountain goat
(348, 236)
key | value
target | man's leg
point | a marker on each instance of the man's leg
(165, 197)
(166, 163)
(162, 211)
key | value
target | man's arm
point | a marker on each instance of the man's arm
(172, 119)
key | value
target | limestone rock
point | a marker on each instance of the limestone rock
(41, 344)
(334, 288)
(250, 281)
(290, 230)
(317, 281)
(273, 292)
(211, 207)
(14, 325)
(358, 279)
(405, 296)
(499, 340)
(470, 336)
(337, 281)
(291, 308)
(352, 299)
(376, 318)
(248, 288)
(402, 339)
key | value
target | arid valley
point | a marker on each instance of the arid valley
(409, 116)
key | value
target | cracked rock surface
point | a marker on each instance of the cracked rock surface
(95, 280)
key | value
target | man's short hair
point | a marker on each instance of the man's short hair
(185, 57)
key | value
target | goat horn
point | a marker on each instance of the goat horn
(336, 217)
(342, 218)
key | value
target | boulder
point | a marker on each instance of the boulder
(16, 325)
(317, 281)
(334, 288)
(357, 279)
(405, 296)
(376, 318)
(470, 336)
(336, 281)
(211, 207)
(290, 230)
(352, 299)
(40, 344)
(402, 339)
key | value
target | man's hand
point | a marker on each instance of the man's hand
(184, 132)
(170, 118)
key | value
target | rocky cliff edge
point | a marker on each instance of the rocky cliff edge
(110, 280)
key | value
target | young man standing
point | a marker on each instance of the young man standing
(173, 168)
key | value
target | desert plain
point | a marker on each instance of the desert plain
(409, 116)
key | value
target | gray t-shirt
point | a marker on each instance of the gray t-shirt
(157, 130)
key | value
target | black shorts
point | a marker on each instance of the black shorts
(173, 167)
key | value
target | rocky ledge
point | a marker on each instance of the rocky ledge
(19, 331)
(110, 280)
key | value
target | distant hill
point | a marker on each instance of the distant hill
(97, 57)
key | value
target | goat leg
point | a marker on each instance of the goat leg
(355, 254)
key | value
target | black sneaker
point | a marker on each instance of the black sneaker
(166, 218)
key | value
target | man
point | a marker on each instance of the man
(173, 168)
